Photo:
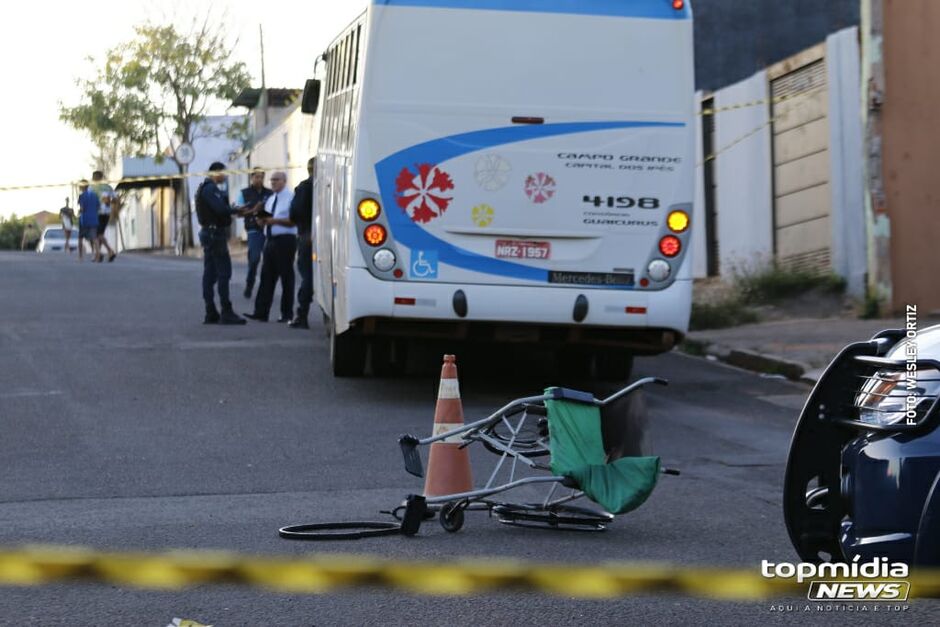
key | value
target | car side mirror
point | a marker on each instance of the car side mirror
(311, 98)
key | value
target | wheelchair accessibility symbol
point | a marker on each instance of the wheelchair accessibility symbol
(424, 264)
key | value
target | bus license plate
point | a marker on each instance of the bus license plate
(520, 249)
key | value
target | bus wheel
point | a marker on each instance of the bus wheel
(347, 354)
(574, 365)
(387, 357)
(613, 365)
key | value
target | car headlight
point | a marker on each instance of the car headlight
(882, 400)
(888, 397)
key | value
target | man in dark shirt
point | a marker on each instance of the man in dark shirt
(250, 197)
(215, 218)
(301, 214)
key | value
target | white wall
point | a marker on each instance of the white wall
(699, 243)
(208, 150)
(743, 176)
(288, 146)
(138, 221)
(846, 153)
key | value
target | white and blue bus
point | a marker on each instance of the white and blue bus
(506, 171)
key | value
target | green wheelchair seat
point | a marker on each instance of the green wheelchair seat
(577, 448)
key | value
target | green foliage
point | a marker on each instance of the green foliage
(11, 232)
(871, 309)
(775, 283)
(694, 347)
(153, 91)
(729, 312)
(770, 284)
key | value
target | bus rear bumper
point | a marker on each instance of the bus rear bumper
(645, 322)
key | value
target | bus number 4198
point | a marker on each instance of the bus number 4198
(622, 202)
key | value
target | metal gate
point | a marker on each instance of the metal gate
(802, 195)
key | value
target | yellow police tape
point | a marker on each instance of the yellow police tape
(144, 179)
(761, 102)
(325, 573)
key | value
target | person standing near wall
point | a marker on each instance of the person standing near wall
(253, 196)
(301, 214)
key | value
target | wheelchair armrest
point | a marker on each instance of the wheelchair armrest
(409, 450)
(572, 395)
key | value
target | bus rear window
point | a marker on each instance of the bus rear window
(532, 62)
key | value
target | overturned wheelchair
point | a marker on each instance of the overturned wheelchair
(554, 440)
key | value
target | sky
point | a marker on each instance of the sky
(45, 57)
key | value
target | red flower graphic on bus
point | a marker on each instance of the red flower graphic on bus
(539, 187)
(423, 194)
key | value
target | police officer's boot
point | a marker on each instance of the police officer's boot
(230, 317)
(212, 314)
(299, 321)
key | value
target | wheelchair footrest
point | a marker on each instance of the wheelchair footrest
(558, 517)
(409, 450)
(416, 508)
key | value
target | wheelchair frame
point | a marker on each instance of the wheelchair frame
(552, 512)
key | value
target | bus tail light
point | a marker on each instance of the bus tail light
(369, 209)
(670, 246)
(678, 221)
(384, 259)
(375, 235)
(659, 270)
(678, 5)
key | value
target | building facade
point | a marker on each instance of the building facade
(781, 176)
(909, 136)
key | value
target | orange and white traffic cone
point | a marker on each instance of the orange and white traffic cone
(448, 464)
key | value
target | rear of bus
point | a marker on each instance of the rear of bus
(532, 165)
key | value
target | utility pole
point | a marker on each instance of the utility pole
(877, 221)
(263, 99)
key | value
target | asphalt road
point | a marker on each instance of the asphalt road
(126, 424)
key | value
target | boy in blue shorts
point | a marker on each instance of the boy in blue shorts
(88, 219)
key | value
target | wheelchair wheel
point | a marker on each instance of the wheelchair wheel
(530, 442)
(451, 517)
(340, 531)
(564, 517)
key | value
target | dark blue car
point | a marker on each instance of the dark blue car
(864, 467)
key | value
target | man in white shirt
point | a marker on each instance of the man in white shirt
(280, 248)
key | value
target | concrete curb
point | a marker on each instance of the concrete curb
(757, 362)
(768, 364)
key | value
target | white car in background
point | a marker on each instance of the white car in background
(53, 239)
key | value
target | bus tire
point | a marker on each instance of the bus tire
(574, 365)
(386, 357)
(347, 354)
(613, 365)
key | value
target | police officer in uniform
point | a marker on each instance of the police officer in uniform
(215, 218)
(252, 196)
(301, 214)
